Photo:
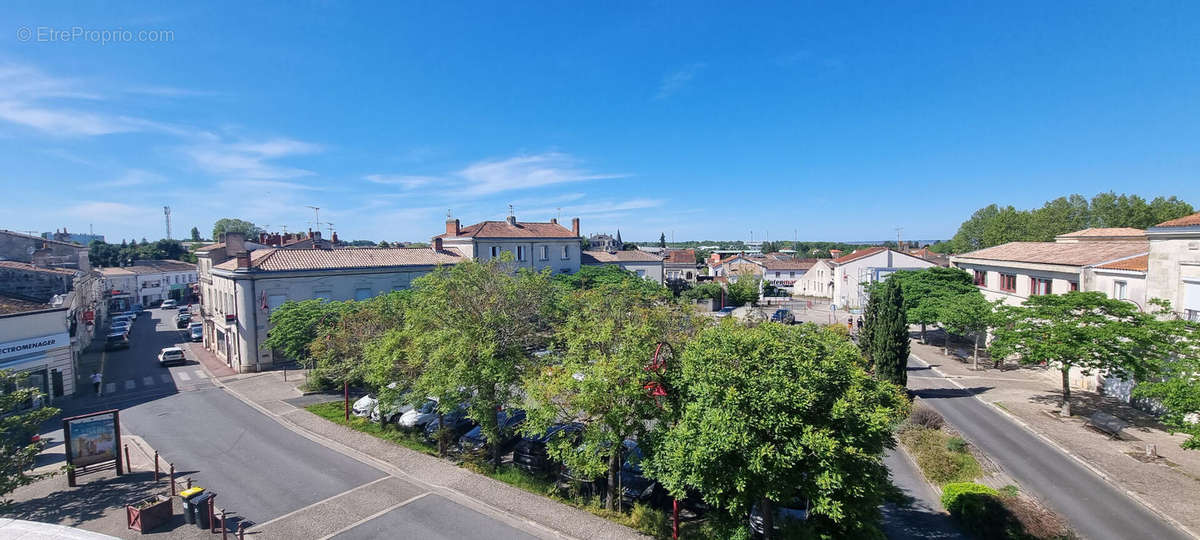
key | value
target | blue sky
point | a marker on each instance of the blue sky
(838, 121)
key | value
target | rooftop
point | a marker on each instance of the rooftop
(40, 239)
(1185, 221)
(148, 267)
(520, 229)
(1141, 263)
(681, 256)
(1073, 254)
(285, 260)
(16, 265)
(1105, 232)
(10, 305)
(606, 257)
(788, 264)
(857, 254)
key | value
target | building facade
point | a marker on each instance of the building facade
(150, 282)
(35, 341)
(854, 272)
(643, 264)
(1173, 265)
(43, 252)
(532, 245)
(680, 265)
(817, 281)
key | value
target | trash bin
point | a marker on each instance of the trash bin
(189, 510)
(200, 503)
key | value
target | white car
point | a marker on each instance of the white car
(169, 304)
(171, 355)
(418, 417)
(364, 405)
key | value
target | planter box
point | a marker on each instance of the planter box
(149, 514)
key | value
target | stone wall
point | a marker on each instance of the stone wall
(34, 284)
(20, 247)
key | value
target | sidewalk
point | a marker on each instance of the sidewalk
(281, 400)
(1168, 483)
(215, 366)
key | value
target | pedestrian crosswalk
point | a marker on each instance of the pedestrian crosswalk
(149, 381)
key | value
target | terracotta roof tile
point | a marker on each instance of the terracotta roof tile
(681, 256)
(283, 260)
(211, 247)
(1185, 221)
(858, 254)
(1141, 263)
(1070, 254)
(789, 264)
(604, 257)
(502, 229)
(17, 265)
(1105, 231)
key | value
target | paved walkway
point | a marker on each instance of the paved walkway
(1030, 396)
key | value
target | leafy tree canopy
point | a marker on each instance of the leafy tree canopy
(294, 326)
(104, 254)
(225, 225)
(1174, 383)
(17, 427)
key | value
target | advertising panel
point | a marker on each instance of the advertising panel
(92, 438)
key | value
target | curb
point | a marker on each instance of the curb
(1103, 476)
(391, 469)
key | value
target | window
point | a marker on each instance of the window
(791, 274)
(641, 273)
(566, 252)
(1074, 285)
(362, 294)
(1008, 282)
(545, 253)
(520, 253)
(495, 251)
(1039, 286)
(1120, 290)
(776, 274)
(981, 278)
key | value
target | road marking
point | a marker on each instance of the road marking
(183, 376)
(200, 374)
(376, 514)
(129, 384)
(165, 378)
(299, 510)
(148, 381)
(110, 388)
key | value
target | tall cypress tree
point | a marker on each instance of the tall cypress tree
(889, 337)
(870, 315)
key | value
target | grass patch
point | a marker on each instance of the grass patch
(941, 460)
(334, 412)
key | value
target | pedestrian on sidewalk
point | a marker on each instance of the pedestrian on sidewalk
(96, 379)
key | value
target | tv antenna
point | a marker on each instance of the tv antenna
(316, 222)
(167, 215)
(330, 223)
(898, 244)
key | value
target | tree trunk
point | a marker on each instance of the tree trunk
(976, 356)
(768, 515)
(614, 474)
(923, 340)
(495, 443)
(1066, 397)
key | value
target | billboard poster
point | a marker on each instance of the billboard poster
(92, 438)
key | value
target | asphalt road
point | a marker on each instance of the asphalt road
(923, 517)
(434, 517)
(1095, 509)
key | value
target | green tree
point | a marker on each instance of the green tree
(18, 425)
(225, 225)
(966, 314)
(662, 240)
(774, 412)
(475, 326)
(889, 336)
(1168, 208)
(196, 235)
(598, 377)
(744, 291)
(1173, 384)
(926, 290)
(1083, 330)
(866, 337)
(384, 244)
(340, 344)
(707, 289)
(294, 326)
(590, 276)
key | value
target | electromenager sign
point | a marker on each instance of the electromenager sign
(13, 349)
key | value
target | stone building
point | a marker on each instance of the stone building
(43, 252)
(1173, 265)
(33, 283)
(533, 245)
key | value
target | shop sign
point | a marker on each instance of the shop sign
(22, 347)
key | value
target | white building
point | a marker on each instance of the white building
(680, 265)
(1174, 265)
(852, 273)
(239, 294)
(533, 245)
(150, 282)
(35, 340)
(643, 264)
(817, 281)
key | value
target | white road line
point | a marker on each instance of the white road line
(182, 376)
(165, 378)
(259, 526)
(375, 515)
(110, 388)
(129, 384)
(200, 374)
(148, 381)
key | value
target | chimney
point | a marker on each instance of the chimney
(334, 239)
(316, 236)
(235, 243)
(575, 226)
(512, 220)
(310, 233)
(452, 228)
(243, 260)
(437, 244)
(554, 220)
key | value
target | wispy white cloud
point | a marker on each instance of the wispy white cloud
(605, 208)
(676, 80)
(522, 172)
(133, 177)
(250, 160)
(404, 181)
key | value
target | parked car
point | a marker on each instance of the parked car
(794, 510)
(635, 487)
(530, 454)
(508, 420)
(169, 304)
(171, 355)
(725, 311)
(419, 417)
(456, 423)
(123, 318)
(116, 340)
(784, 316)
(186, 308)
(138, 310)
(389, 411)
(362, 407)
(119, 326)
(183, 320)
(196, 331)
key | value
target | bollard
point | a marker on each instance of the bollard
(173, 479)
(241, 531)
(212, 513)
(189, 482)
(156, 465)
(127, 467)
(223, 528)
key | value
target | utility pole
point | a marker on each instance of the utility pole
(167, 215)
(898, 245)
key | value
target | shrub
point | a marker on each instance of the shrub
(926, 417)
(952, 494)
(649, 520)
(956, 444)
(839, 329)
(937, 461)
(1009, 491)
(1034, 520)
